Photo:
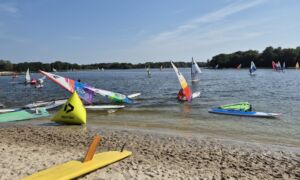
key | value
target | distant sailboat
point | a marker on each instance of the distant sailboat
(27, 77)
(54, 70)
(102, 69)
(297, 66)
(161, 67)
(239, 66)
(252, 69)
(283, 66)
(278, 66)
(148, 72)
(217, 66)
(273, 66)
(195, 70)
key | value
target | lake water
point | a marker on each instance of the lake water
(158, 109)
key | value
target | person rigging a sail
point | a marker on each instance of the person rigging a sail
(181, 96)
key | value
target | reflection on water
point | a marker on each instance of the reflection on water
(157, 107)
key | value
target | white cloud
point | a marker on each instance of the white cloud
(206, 32)
(207, 18)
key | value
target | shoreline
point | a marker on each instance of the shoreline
(29, 148)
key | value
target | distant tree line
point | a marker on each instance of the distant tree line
(64, 66)
(264, 59)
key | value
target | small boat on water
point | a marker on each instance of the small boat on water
(241, 109)
(239, 66)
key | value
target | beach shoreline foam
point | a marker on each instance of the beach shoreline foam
(26, 149)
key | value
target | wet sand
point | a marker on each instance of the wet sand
(26, 149)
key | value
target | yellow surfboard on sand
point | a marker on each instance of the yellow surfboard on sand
(73, 111)
(73, 169)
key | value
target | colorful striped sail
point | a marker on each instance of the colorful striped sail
(85, 91)
(186, 89)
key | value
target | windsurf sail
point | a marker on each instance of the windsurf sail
(283, 65)
(186, 89)
(274, 66)
(54, 70)
(278, 66)
(243, 106)
(27, 76)
(252, 68)
(148, 72)
(239, 66)
(161, 67)
(297, 65)
(217, 66)
(195, 70)
(85, 91)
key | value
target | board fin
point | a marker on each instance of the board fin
(73, 112)
(92, 149)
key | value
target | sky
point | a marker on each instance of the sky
(135, 31)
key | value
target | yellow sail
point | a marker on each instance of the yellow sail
(73, 112)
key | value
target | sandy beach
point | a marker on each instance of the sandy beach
(26, 149)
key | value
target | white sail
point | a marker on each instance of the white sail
(278, 66)
(252, 68)
(27, 76)
(195, 70)
(148, 72)
(297, 65)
